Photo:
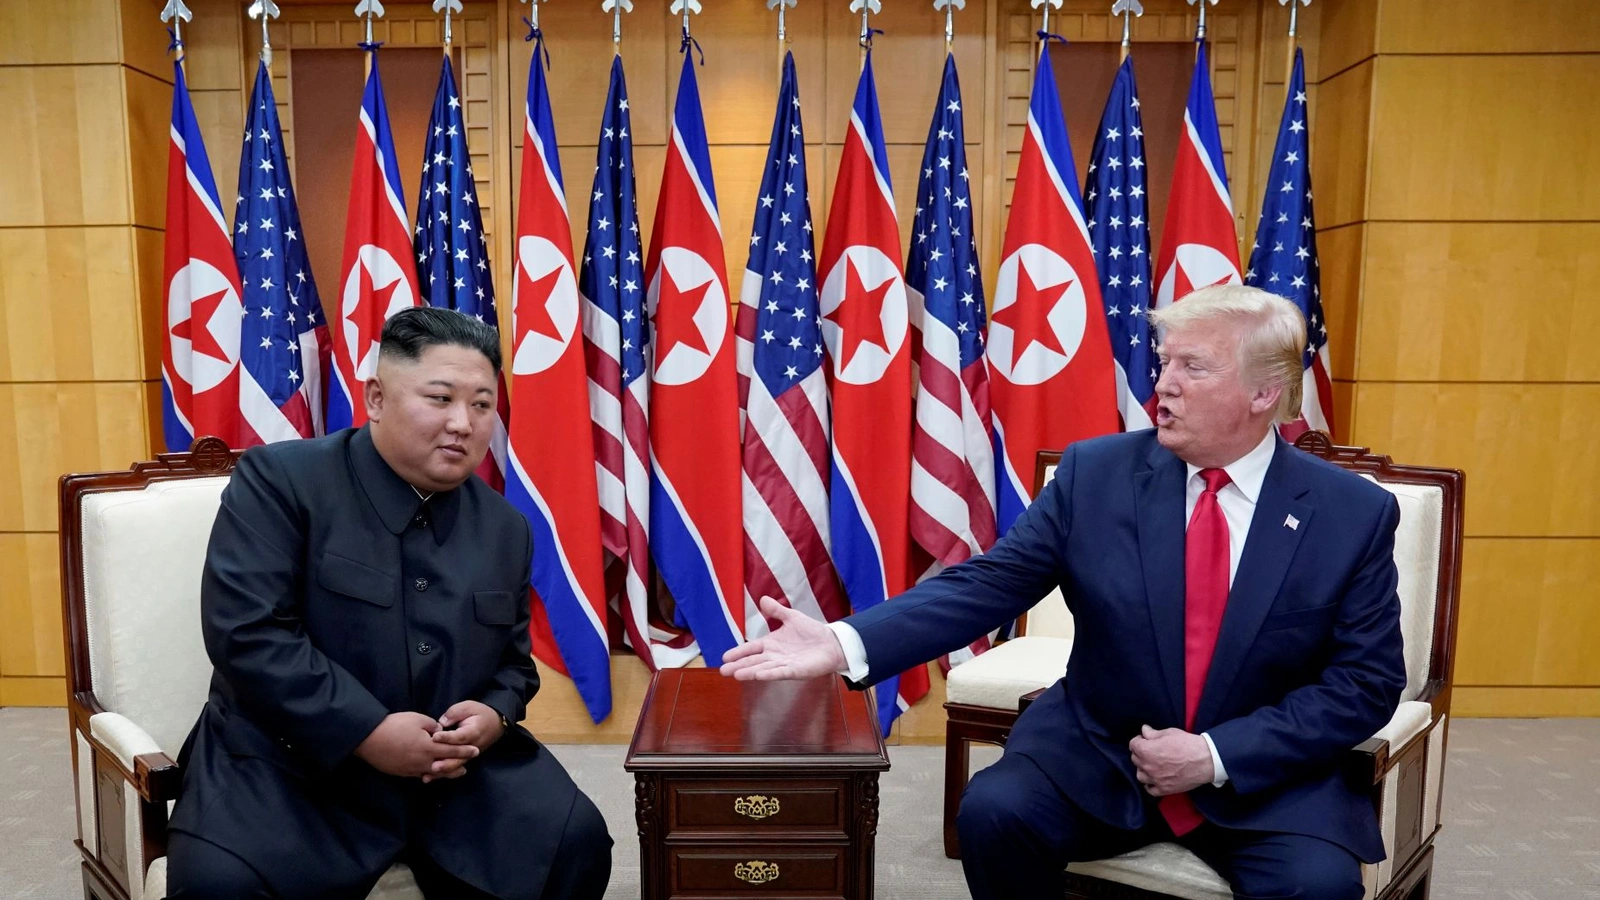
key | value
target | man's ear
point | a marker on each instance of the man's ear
(1263, 400)
(372, 394)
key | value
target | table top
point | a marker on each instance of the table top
(699, 719)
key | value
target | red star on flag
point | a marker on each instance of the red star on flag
(200, 339)
(533, 304)
(373, 300)
(865, 309)
(676, 326)
(1029, 316)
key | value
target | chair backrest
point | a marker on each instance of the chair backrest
(133, 545)
(1049, 617)
(1427, 553)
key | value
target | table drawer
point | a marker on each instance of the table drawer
(757, 870)
(756, 804)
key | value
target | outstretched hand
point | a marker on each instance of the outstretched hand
(798, 647)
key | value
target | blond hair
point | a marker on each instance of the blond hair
(1272, 342)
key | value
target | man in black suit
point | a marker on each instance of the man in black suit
(365, 608)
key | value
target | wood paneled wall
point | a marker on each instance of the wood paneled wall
(1456, 179)
(1458, 183)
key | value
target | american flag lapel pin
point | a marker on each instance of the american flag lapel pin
(1291, 523)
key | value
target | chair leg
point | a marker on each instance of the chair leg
(957, 752)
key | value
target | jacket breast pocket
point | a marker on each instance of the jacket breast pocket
(353, 579)
(1316, 616)
(497, 608)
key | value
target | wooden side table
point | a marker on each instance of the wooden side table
(755, 789)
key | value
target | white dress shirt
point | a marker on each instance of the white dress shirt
(1238, 501)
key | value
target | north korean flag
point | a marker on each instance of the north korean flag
(379, 278)
(200, 279)
(696, 527)
(1052, 379)
(1199, 246)
(551, 447)
(865, 317)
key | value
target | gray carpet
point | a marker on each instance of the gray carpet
(1522, 813)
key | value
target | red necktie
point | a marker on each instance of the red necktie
(1205, 596)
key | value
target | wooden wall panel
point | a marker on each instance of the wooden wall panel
(1488, 26)
(68, 311)
(214, 56)
(144, 37)
(1339, 146)
(149, 136)
(1528, 612)
(49, 429)
(148, 261)
(67, 32)
(30, 607)
(1347, 34)
(1485, 138)
(1527, 448)
(1524, 702)
(1341, 253)
(1480, 302)
(70, 165)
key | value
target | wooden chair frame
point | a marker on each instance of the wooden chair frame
(154, 776)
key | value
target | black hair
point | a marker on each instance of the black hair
(414, 329)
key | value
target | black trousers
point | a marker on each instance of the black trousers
(200, 870)
(1018, 833)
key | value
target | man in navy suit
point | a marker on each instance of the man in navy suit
(1237, 630)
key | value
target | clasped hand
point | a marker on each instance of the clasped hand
(413, 745)
(1171, 760)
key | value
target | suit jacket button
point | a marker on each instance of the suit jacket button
(424, 648)
(422, 584)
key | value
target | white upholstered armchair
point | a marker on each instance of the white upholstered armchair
(1402, 766)
(132, 547)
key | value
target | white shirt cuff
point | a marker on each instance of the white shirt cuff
(855, 653)
(1216, 761)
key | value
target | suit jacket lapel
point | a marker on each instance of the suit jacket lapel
(1268, 550)
(1159, 489)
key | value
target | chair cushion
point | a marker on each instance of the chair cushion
(1166, 868)
(1416, 555)
(396, 884)
(998, 678)
(143, 552)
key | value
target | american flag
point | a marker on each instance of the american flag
(452, 250)
(952, 447)
(783, 388)
(1119, 232)
(283, 340)
(1284, 257)
(616, 341)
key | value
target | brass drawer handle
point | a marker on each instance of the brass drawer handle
(756, 806)
(755, 872)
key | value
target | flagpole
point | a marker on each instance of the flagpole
(949, 7)
(1127, 9)
(1200, 26)
(176, 13)
(1044, 25)
(1288, 63)
(367, 9)
(783, 31)
(866, 8)
(264, 10)
(616, 8)
(447, 7)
